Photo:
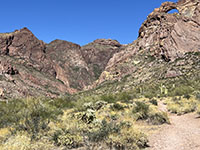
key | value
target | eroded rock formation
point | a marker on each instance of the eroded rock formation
(163, 36)
(50, 69)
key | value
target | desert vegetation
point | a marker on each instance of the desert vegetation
(107, 120)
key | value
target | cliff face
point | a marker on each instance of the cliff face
(172, 35)
(29, 66)
(162, 48)
(168, 46)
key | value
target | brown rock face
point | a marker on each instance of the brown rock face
(23, 44)
(172, 35)
(98, 53)
(6, 68)
(36, 68)
(69, 65)
(163, 38)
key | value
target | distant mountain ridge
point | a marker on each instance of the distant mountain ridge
(167, 48)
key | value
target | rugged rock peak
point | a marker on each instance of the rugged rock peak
(25, 29)
(108, 42)
(171, 35)
(63, 43)
(22, 43)
(98, 53)
(54, 68)
(163, 38)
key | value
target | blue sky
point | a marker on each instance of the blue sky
(78, 21)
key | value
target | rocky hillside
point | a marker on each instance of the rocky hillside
(167, 50)
(30, 67)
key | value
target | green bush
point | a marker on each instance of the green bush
(181, 105)
(110, 98)
(68, 139)
(146, 111)
(181, 90)
(60, 103)
(154, 102)
(117, 106)
(125, 96)
(8, 112)
(103, 132)
(158, 118)
(30, 115)
(141, 109)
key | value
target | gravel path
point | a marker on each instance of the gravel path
(182, 134)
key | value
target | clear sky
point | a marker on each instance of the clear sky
(78, 21)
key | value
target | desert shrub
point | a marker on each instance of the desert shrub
(4, 134)
(146, 111)
(181, 90)
(129, 137)
(117, 106)
(157, 118)
(67, 138)
(60, 103)
(35, 116)
(173, 108)
(110, 98)
(153, 101)
(23, 142)
(8, 112)
(103, 131)
(141, 110)
(149, 91)
(30, 115)
(124, 96)
(86, 102)
(187, 96)
(149, 94)
(182, 105)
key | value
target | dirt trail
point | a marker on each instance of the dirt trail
(182, 134)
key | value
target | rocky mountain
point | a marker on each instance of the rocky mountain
(167, 50)
(30, 67)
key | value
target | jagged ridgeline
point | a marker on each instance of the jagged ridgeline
(103, 95)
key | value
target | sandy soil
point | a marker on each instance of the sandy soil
(182, 134)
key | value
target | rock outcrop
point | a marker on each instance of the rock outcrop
(29, 66)
(98, 53)
(163, 38)
(172, 35)
(23, 44)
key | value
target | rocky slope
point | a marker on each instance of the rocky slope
(167, 49)
(30, 67)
